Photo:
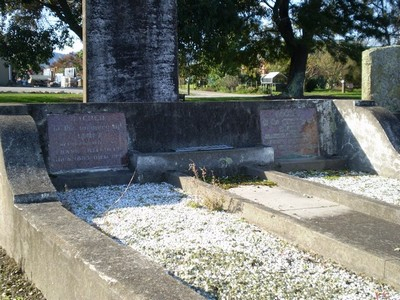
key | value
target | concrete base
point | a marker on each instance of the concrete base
(91, 179)
(152, 166)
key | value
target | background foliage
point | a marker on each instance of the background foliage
(220, 38)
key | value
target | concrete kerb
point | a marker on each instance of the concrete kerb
(365, 205)
(69, 259)
(65, 257)
(296, 231)
(22, 159)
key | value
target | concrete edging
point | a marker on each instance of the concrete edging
(67, 258)
(369, 206)
(352, 256)
(62, 255)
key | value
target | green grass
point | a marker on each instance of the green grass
(224, 99)
(354, 94)
(229, 182)
(333, 94)
(39, 98)
(68, 98)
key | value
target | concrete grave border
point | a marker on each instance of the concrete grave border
(350, 254)
(65, 257)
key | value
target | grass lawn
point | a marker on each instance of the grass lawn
(354, 94)
(317, 94)
(65, 97)
(39, 98)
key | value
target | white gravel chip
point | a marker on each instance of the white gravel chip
(372, 186)
(216, 253)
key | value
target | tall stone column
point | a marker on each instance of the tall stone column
(130, 51)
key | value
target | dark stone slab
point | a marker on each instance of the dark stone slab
(131, 51)
(165, 127)
(76, 180)
(291, 132)
(85, 141)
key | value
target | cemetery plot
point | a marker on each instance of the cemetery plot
(218, 254)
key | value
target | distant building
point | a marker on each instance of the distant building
(273, 81)
(5, 73)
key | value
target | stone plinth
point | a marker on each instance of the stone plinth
(131, 51)
(381, 76)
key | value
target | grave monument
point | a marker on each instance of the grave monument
(130, 51)
(381, 76)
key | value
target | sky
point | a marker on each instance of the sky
(77, 46)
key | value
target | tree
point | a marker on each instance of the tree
(25, 44)
(389, 12)
(27, 40)
(68, 12)
(322, 67)
(71, 60)
(304, 26)
(216, 34)
(228, 33)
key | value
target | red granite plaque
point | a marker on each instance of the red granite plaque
(291, 132)
(87, 141)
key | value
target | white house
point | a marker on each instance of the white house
(273, 81)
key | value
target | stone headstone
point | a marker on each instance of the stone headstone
(290, 132)
(130, 51)
(87, 141)
(381, 76)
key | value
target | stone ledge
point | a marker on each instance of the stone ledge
(152, 166)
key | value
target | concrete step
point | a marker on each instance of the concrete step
(310, 163)
(360, 242)
(368, 206)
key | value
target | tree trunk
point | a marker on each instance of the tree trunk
(296, 47)
(297, 72)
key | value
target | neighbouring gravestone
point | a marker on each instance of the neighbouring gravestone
(87, 141)
(130, 51)
(290, 132)
(381, 76)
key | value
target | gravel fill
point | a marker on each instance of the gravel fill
(218, 254)
(13, 283)
(372, 186)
